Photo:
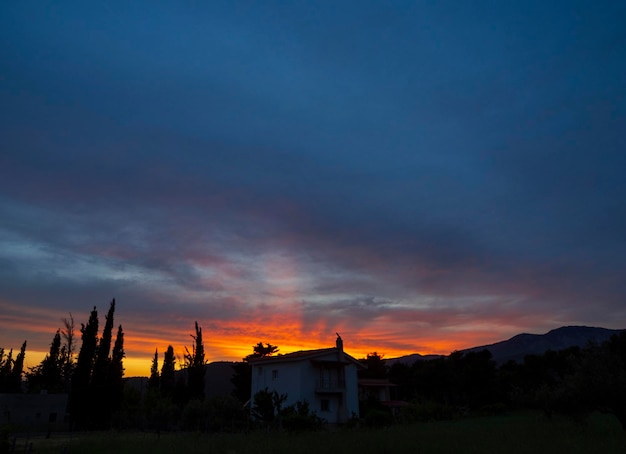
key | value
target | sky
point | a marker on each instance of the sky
(418, 176)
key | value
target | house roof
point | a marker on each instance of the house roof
(304, 355)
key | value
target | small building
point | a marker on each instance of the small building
(381, 390)
(325, 378)
(34, 411)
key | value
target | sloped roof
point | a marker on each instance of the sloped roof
(303, 355)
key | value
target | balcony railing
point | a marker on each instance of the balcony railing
(330, 385)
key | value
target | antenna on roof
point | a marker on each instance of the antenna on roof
(339, 342)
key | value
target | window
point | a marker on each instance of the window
(52, 417)
(260, 369)
(274, 374)
(325, 405)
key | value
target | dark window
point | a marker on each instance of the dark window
(52, 417)
(274, 374)
(325, 405)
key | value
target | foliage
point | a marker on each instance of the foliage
(102, 360)
(267, 406)
(48, 375)
(195, 364)
(11, 370)
(154, 379)
(67, 351)
(242, 381)
(261, 350)
(299, 417)
(242, 372)
(6, 364)
(376, 367)
(508, 434)
(81, 400)
(168, 372)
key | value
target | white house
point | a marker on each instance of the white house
(325, 378)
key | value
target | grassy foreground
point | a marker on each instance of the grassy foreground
(516, 433)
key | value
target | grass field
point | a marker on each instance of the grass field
(515, 433)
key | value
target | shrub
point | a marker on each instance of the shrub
(378, 418)
(298, 418)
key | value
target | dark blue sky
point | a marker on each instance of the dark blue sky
(420, 176)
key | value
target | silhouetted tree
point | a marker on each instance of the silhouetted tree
(195, 364)
(376, 367)
(102, 361)
(242, 378)
(115, 381)
(6, 365)
(153, 381)
(15, 376)
(168, 372)
(101, 380)
(81, 402)
(401, 375)
(67, 352)
(48, 374)
(261, 350)
(267, 405)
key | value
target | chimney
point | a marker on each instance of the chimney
(339, 343)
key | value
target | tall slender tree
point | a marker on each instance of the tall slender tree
(115, 385)
(67, 352)
(5, 370)
(168, 372)
(48, 375)
(196, 366)
(153, 381)
(15, 378)
(81, 403)
(102, 361)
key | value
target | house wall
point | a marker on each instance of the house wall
(299, 380)
(34, 411)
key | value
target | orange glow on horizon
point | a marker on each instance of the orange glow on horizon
(222, 347)
(231, 340)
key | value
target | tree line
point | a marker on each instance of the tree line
(575, 381)
(93, 379)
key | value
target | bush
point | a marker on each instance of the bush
(5, 435)
(195, 416)
(299, 418)
(428, 411)
(378, 418)
(226, 414)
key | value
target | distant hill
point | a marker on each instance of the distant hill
(558, 339)
(410, 359)
(216, 380)
(521, 345)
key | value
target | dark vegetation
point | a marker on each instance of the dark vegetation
(520, 432)
(573, 383)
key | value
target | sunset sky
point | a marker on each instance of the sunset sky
(418, 176)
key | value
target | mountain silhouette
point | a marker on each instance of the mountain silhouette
(524, 344)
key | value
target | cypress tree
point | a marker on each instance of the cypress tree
(81, 402)
(153, 381)
(115, 382)
(48, 374)
(67, 353)
(168, 370)
(195, 363)
(5, 371)
(101, 365)
(15, 378)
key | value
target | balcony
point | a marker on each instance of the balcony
(330, 386)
